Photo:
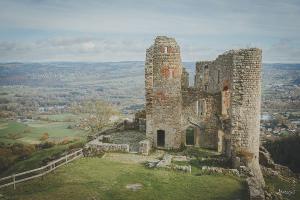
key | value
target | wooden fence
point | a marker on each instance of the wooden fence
(38, 172)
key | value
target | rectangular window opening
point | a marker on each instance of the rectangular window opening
(166, 49)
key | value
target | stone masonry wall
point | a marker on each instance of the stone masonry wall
(166, 92)
(245, 106)
(149, 91)
(193, 99)
(236, 77)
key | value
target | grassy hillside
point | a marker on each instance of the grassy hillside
(18, 151)
(35, 160)
(98, 178)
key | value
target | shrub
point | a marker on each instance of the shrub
(5, 162)
(9, 154)
(44, 137)
(66, 140)
(45, 145)
(285, 151)
(22, 151)
(17, 148)
(27, 151)
(77, 145)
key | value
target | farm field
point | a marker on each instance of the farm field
(63, 117)
(30, 132)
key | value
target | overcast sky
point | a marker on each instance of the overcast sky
(118, 30)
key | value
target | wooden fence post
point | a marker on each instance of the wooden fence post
(14, 180)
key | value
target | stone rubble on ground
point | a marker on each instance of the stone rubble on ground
(220, 170)
(166, 162)
(134, 187)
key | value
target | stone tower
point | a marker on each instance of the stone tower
(163, 72)
(245, 107)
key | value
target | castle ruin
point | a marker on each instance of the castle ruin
(220, 111)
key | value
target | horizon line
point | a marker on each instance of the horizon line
(66, 61)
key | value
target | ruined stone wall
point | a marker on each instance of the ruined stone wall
(209, 138)
(191, 112)
(245, 106)
(201, 75)
(211, 78)
(235, 77)
(214, 74)
(228, 88)
(184, 79)
(149, 91)
(166, 93)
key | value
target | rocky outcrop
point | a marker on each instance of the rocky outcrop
(265, 158)
(269, 167)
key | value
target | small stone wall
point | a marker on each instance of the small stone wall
(145, 147)
(108, 147)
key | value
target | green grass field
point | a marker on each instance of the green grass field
(31, 132)
(98, 178)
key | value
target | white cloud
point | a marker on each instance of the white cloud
(285, 50)
(88, 46)
(73, 49)
(121, 30)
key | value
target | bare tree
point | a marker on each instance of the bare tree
(98, 114)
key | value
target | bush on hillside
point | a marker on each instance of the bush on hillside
(9, 154)
(44, 137)
(285, 151)
(45, 145)
(76, 145)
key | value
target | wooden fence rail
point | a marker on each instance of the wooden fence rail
(38, 172)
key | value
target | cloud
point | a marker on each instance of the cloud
(139, 16)
(112, 49)
(74, 49)
(118, 29)
(285, 50)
